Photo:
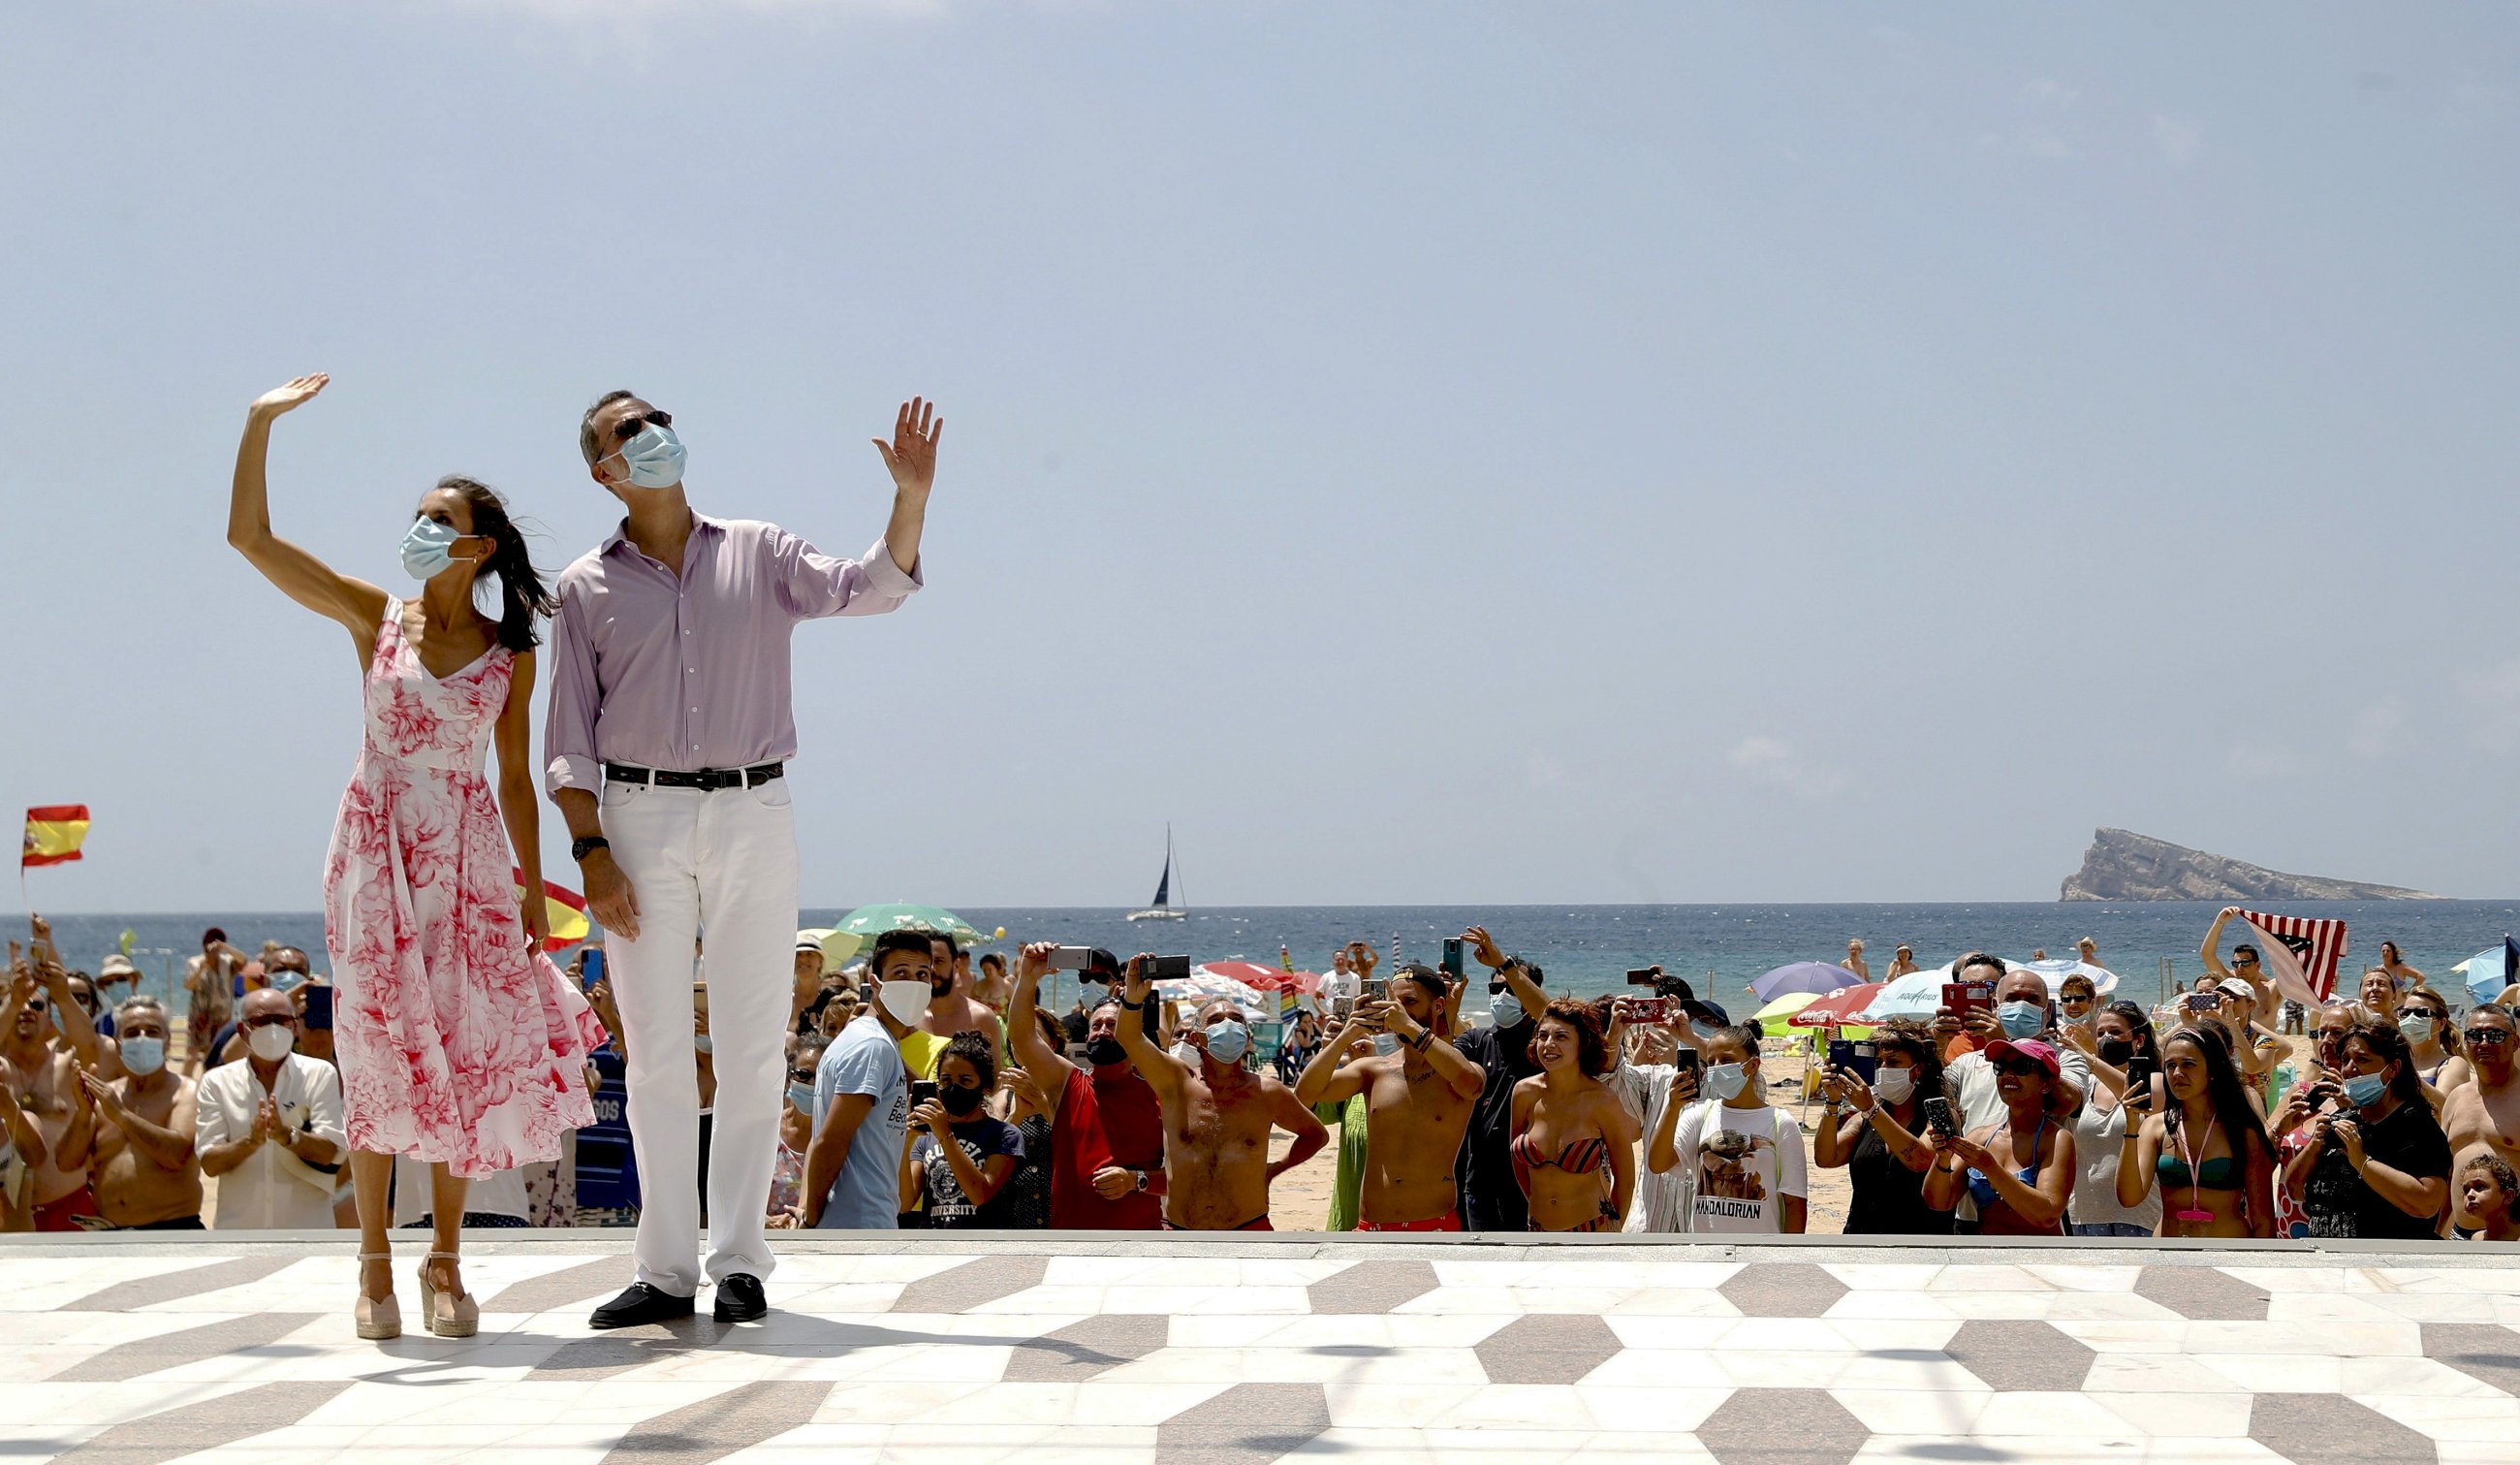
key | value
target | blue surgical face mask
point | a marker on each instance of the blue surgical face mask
(2021, 1018)
(2362, 1090)
(654, 457)
(802, 1096)
(1726, 1080)
(1385, 1044)
(288, 980)
(1227, 1040)
(1506, 1010)
(144, 1056)
(429, 548)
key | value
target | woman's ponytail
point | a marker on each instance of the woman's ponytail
(521, 596)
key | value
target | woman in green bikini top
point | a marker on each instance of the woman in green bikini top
(2209, 1152)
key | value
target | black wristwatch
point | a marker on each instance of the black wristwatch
(579, 849)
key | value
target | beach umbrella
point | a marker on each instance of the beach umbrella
(1772, 1019)
(1261, 978)
(1840, 1008)
(870, 921)
(1202, 986)
(837, 945)
(1918, 995)
(2055, 971)
(1817, 977)
(2484, 972)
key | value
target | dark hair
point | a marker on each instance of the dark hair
(1979, 959)
(896, 941)
(586, 425)
(2497, 1167)
(2147, 1043)
(2225, 1093)
(1591, 1051)
(2389, 1045)
(994, 959)
(1916, 1040)
(214, 933)
(974, 1049)
(2245, 946)
(521, 595)
(953, 947)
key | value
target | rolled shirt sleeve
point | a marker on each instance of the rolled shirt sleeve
(324, 1112)
(813, 585)
(568, 727)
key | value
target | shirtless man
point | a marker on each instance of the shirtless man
(45, 1083)
(1217, 1116)
(147, 1177)
(1855, 961)
(1418, 1091)
(952, 1008)
(2485, 1114)
(2244, 964)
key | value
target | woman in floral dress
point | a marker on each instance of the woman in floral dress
(459, 1043)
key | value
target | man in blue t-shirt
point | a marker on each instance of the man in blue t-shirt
(862, 1097)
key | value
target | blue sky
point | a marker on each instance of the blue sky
(1472, 453)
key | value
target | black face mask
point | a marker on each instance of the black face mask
(959, 1102)
(2115, 1051)
(1104, 1052)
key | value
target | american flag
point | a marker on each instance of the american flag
(2300, 953)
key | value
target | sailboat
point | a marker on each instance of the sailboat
(1163, 908)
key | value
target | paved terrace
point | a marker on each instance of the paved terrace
(1044, 1349)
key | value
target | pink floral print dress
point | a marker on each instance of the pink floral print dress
(456, 1043)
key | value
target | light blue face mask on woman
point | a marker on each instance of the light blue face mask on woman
(429, 548)
(1726, 1080)
(802, 1096)
(2362, 1090)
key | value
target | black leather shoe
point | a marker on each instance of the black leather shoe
(642, 1303)
(740, 1299)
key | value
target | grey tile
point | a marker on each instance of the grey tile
(1548, 1348)
(601, 1356)
(1248, 1424)
(586, 1282)
(229, 1335)
(2329, 1428)
(972, 1284)
(2011, 1355)
(1373, 1286)
(2202, 1294)
(1782, 1288)
(1782, 1427)
(207, 1424)
(175, 1286)
(2479, 1350)
(721, 1424)
(1082, 1349)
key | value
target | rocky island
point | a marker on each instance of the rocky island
(2122, 865)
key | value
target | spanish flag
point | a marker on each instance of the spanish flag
(52, 833)
(564, 909)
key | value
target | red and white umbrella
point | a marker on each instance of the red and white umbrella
(1842, 1008)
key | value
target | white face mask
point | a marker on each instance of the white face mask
(1894, 1085)
(904, 1001)
(272, 1045)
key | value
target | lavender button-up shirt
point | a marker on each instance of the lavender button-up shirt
(689, 672)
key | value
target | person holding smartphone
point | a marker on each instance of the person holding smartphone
(2207, 1150)
(2377, 1164)
(1876, 1131)
(1418, 1091)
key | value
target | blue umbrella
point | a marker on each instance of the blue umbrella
(2488, 971)
(1817, 977)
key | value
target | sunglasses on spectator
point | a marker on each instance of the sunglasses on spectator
(2488, 1036)
(800, 1075)
(2022, 1066)
(272, 1020)
(632, 424)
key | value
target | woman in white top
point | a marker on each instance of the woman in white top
(2123, 1045)
(1745, 1157)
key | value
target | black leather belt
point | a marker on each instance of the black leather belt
(697, 778)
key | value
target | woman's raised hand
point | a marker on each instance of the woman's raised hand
(295, 395)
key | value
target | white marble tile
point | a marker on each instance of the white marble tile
(2472, 1420)
(1915, 1411)
(2191, 1414)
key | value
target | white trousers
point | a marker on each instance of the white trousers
(723, 859)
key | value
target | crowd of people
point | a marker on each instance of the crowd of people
(930, 1086)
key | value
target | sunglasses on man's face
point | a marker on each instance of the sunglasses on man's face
(630, 427)
(2486, 1036)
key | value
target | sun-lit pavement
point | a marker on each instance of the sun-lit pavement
(945, 1351)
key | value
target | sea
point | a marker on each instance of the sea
(1582, 950)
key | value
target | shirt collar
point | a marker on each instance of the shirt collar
(619, 539)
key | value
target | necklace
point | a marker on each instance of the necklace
(2196, 1174)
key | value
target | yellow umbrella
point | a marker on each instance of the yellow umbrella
(837, 945)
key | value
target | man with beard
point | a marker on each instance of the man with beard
(1217, 1115)
(951, 1007)
(1419, 1093)
(1106, 1126)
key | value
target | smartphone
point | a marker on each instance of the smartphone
(1167, 968)
(1848, 1056)
(1643, 975)
(1960, 996)
(1453, 957)
(1684, 1059)
(589, 969)
(319, 1008)
(1093, 960)
(1375, 989)
(2138, 1090)
(1938, 1115)
(921, 1091)
(1647, 1009)
(2204, 1002)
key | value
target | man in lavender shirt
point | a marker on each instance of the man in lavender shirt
(669, 723)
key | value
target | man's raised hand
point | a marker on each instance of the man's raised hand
(295, 395)
(911, 455)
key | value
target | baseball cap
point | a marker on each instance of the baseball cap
(2031, 1048)
(806, 941)
(2234, 986)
